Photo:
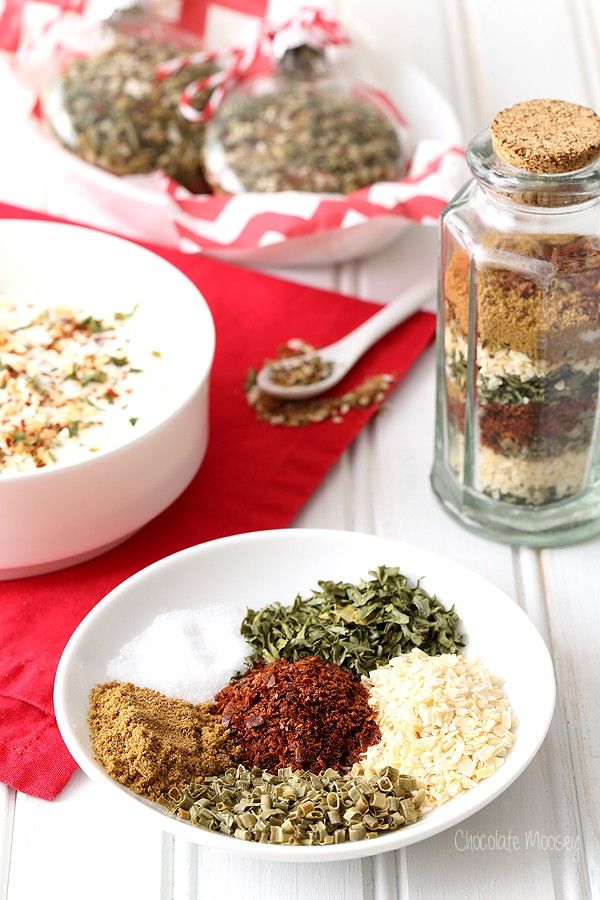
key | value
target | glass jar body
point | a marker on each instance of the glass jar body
(517, 452)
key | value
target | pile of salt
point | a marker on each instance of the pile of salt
(189, 654)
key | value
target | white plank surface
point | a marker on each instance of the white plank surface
(7, 816)
(484, 56)
(76, 847)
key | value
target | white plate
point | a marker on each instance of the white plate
(55, 516)
(256, 569)
(137, 206)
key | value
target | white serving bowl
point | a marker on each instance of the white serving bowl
(260, 568)
(60, 515)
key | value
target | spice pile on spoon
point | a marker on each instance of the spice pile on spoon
(302, 373)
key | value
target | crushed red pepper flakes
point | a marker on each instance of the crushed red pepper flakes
(309, 714)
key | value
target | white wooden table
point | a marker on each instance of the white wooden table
(484, 55)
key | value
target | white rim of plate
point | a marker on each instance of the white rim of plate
(393, 841)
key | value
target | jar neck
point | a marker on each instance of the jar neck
(303, 62)
(530, 190)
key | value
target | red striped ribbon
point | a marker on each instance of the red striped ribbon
(320, 29)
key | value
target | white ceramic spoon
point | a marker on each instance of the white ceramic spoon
(345, 352)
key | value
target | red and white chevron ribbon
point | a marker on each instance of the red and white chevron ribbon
(233, 64)
(250, 220)
(309, 25)
(231, 225)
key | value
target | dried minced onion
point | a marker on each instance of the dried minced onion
(445, 719)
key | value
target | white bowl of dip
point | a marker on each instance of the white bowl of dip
(109, 480)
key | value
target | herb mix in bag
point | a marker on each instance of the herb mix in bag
(115, 109)
(301, 128)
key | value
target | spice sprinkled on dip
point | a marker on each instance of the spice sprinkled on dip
(66, 384)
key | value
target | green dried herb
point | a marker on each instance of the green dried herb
(114, 112)
(37, 385)
(561, 383)
(558, 384)
(98, 377)
(456, 365)
(122, 316)
(92, 325)
(360, 626)
(298, 808)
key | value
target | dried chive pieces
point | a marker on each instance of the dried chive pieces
(359, 626)
(298, 808)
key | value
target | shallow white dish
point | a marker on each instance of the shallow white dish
(259, 568)
(137, 205)
(59, 515)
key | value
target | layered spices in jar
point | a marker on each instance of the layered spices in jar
(519, 337)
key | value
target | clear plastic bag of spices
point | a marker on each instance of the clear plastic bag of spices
(302, 128)
(110, 107)
(517, 454)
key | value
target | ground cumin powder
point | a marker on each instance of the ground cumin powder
(553, 316)
(151, 743)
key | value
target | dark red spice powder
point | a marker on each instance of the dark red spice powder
(308, 714)
(526, 424)
(529, 423)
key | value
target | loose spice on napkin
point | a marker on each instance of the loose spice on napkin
(254, 477)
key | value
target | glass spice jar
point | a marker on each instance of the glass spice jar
(517, 448)
(300, 129)
(111, 107)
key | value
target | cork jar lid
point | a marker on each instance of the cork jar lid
(547, 136)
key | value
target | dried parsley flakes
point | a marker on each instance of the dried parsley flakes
(360, 626)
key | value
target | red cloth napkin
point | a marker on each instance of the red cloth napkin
(255, 476)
